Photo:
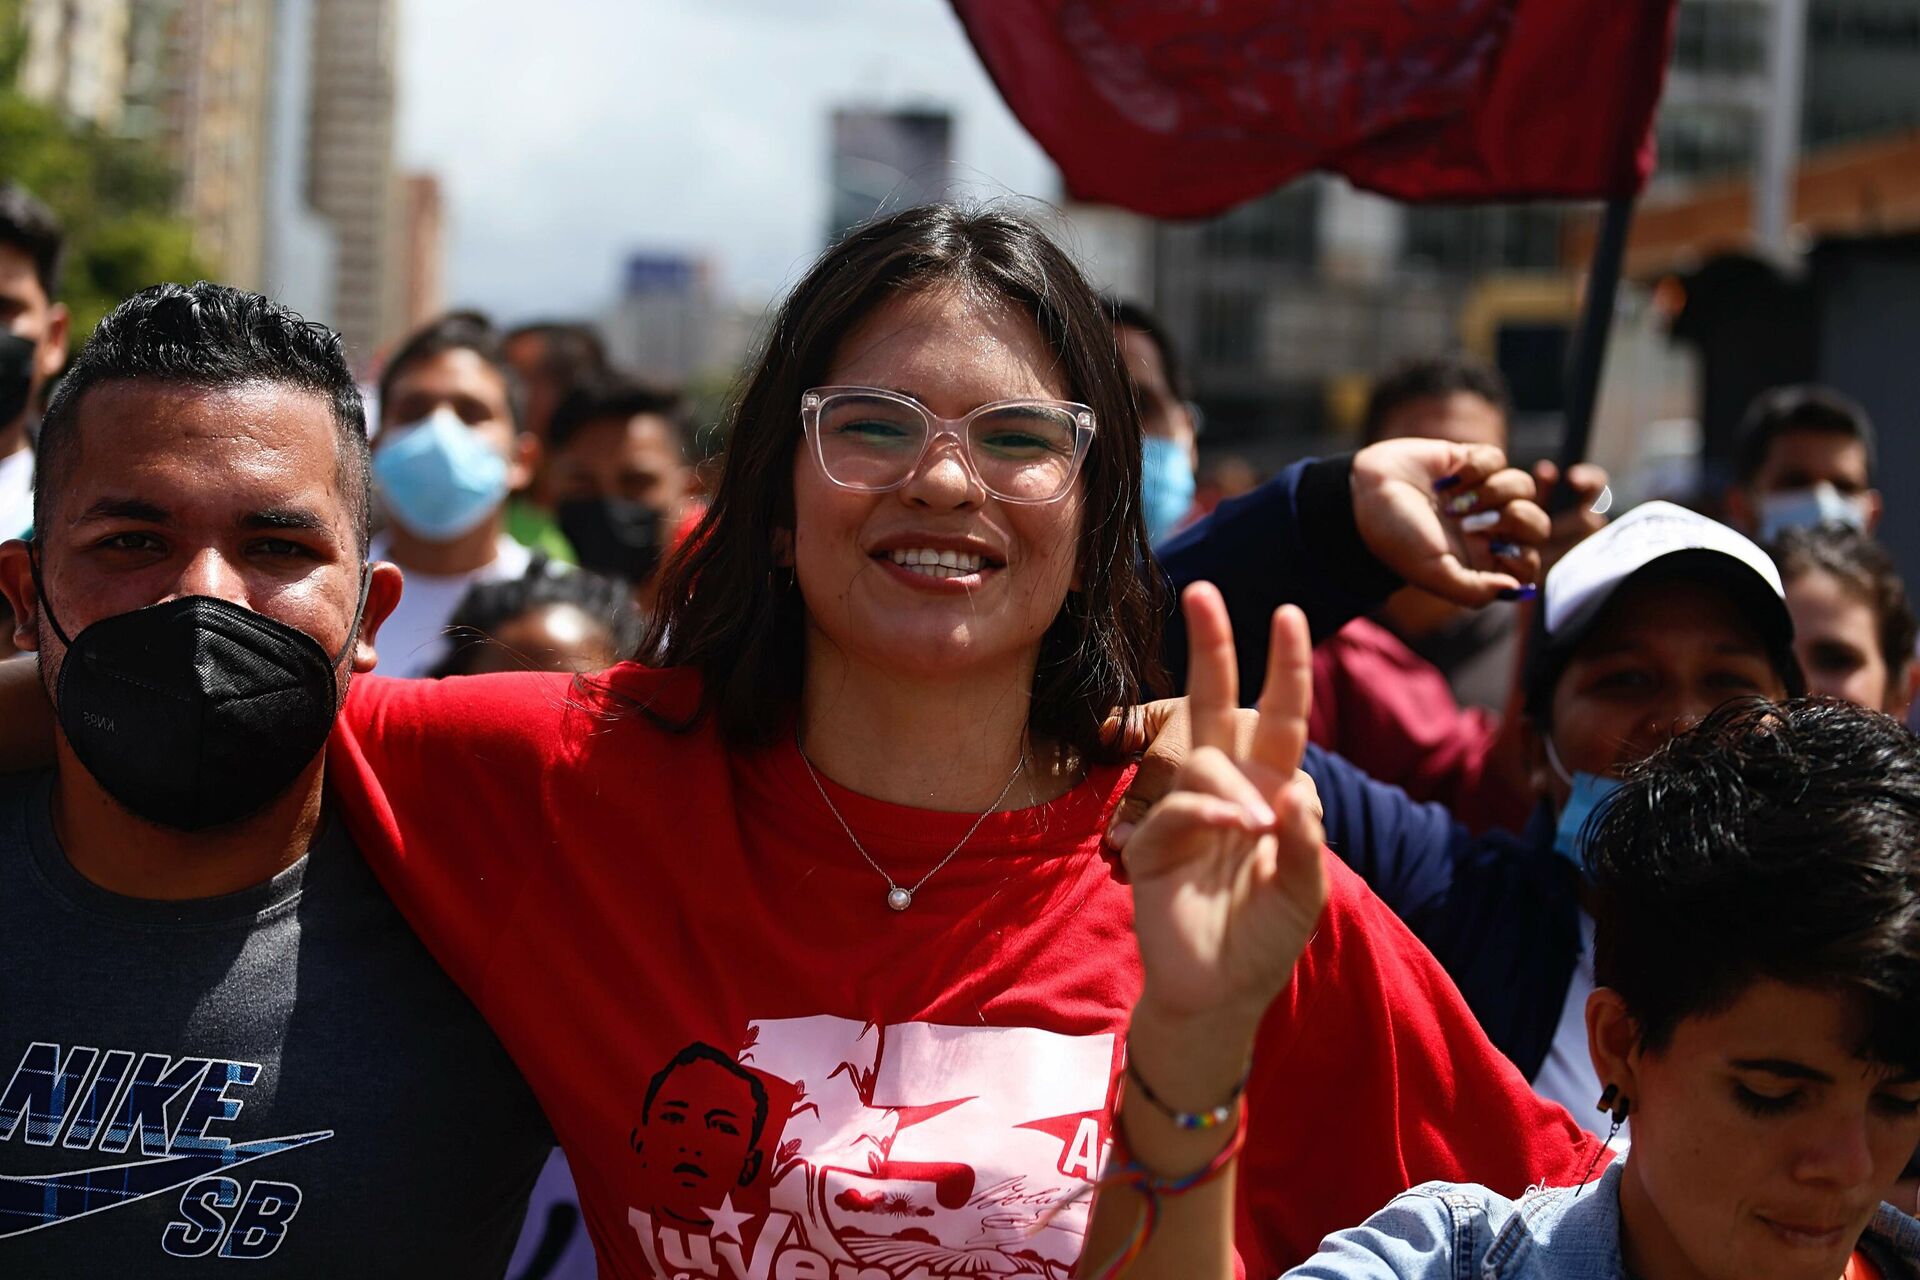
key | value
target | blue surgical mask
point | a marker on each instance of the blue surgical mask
(1569, 836)
(1166, 482)
(439, 478)
(1805, 508)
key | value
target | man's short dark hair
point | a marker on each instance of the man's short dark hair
(699, 1052)
(1131, 315)
(1806, 407)
(570, 352)
(1864, 568)
(30, 227)
(208, 336)
(1432, 378)
(455, 331)
(1770, 842)
(619, 399)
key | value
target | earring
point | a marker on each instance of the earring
(1610, 1100)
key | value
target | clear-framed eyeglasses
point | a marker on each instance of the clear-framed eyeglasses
(874, 440)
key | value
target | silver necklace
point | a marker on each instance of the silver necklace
(899, 897)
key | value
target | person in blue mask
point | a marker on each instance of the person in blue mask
(1805, 458)
(1169, 422)
(449, 453)
(1647, 626)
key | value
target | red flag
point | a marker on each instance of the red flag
(1181, 109)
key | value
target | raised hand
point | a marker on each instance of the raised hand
(1227, 871)
(1453, 519)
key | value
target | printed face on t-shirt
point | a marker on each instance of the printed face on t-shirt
(698, 1138)
(953, 352)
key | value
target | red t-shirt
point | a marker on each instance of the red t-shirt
(759, 1070)
(1390, 711)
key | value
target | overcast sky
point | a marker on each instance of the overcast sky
(569, 133)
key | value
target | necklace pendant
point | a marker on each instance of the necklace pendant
(899, 899)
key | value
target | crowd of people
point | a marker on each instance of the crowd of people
(925, 840)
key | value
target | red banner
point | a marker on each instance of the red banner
(1184, 108)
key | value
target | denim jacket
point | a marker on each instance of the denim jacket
(1462, 1231)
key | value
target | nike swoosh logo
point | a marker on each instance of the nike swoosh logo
(29, 1202)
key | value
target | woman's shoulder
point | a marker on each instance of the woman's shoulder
(1445, 1229)
(513, 709)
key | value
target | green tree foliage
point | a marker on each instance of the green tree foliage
(115, 196)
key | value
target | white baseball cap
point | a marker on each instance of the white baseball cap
(1680, 542)
(1587, 576)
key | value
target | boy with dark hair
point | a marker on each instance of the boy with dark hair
(450, 452)
(1852, 625)
(217, 1036)
(1806, 457)
(33, 340)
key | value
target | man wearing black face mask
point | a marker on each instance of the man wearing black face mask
(620, 477)
(217, 1036)
(33, 341)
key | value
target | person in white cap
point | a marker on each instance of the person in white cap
(1648, 626)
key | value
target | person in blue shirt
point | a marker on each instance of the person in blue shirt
(1756, 887)
(1648, 625)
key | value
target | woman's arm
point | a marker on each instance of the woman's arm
(1228, 881)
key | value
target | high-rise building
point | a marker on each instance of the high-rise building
(424, 256)
(299, 265)
(212, 112)
(76, 56)
(885, 160)
(351, 178)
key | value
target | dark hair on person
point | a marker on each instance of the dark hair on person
(1772, 841)
(727, 607)
(207, 336)
(1131, 315)
(489, 606)
(1805, 407)
(455, 331)
(30, 227)
(1864, 568)
(619, 399)
(1431, 378)
(570, 352)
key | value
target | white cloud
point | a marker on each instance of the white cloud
(571, 132)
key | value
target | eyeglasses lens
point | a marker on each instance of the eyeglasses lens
(1023, 453)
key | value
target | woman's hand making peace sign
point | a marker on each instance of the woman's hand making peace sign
(1228, 885)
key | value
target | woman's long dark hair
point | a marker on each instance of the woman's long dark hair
(731, 613)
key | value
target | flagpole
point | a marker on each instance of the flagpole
(1589, 351)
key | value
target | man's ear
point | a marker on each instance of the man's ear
(383, 595)
(1875, 506)
(1740, 512)
(523, 460)
(750, 1167)
(52, 355)
(16, 584)
(1613, 1041)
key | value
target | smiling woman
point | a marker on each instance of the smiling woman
(806, 934)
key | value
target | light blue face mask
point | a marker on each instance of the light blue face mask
(1166, 483)
(439, 478)
(1569, 835)
(1805, 508)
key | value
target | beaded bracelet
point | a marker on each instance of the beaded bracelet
(1212, 1118)
(1151, 1187)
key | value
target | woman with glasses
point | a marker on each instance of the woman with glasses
(805, 934)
